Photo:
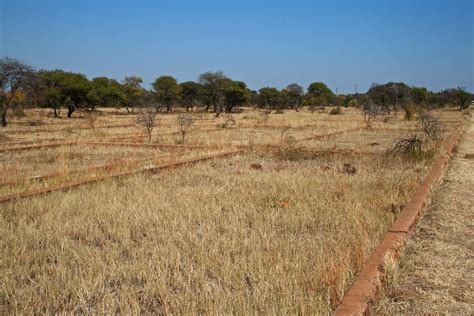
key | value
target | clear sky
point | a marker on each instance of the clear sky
(264, 43)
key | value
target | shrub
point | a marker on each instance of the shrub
(146, 117)
(335, 111)
(229, 120)
(411, 148)
(184, 123)
(430, 126)
(370, 111)
(410, 111)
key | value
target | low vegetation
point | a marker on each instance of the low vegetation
(281, 228)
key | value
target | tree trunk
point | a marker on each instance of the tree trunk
(4, 118)
(56, 112)
(70, 110)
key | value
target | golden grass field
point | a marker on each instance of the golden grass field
(282, 227)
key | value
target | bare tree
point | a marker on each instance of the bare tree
(12, 76)
(370, 111)
(185, 123)
(147, 118)
(430, 126)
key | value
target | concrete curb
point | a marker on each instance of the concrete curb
(75, 184)
(368, 281)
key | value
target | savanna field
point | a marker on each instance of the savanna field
(279, 221)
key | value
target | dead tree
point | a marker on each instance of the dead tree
(147, 118)
(184, 123)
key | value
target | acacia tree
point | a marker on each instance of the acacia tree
(320, 94)
(132, 91)
(294, 96)
(67, 89)
(418, 95)
(235, 93)
(457, 97)
(190, 94)
(33, 89)
(390, 95)
(12, 75)
(167, 91)
(269, 97)
(104, 91)
(214, 84)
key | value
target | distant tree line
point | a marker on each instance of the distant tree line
(23, 86)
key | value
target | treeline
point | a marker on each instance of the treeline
(22, 86)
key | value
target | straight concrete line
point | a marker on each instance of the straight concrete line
(46, 130)
(39, 146)
(368, 281)
(145, 145)
(74, 184)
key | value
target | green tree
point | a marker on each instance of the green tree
(294, 96)
(132, 92)
(236, 94)
(53, 96)
(191, 94)
(105, 92)
(67, 89)
(269, 97)
(214, 84)
(458, 97)
(390, 96)
(320, 94)
(167, 91)
(419, 96)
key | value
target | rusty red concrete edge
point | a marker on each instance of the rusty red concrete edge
(119, 163)
(75, 184)
(144, 145)
(39, 146)
(47, 130)
(367, 284)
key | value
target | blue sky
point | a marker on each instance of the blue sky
(264, 43)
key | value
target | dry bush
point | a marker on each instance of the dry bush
(412, 148)
(336, 111)
(288, 149)
(430, 126)
(184, 123)
(370, 111)
(410, 111)
(147, 118)
(229, 120)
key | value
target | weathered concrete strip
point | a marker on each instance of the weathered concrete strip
(368, 281)
(75, 184)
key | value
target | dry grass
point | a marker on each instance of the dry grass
(256, 233)
(435, 274)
